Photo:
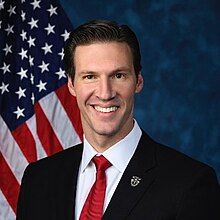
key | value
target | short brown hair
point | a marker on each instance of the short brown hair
(100, 31)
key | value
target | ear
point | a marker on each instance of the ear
(140, 83)
(71, 87)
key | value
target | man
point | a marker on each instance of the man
(141, 179)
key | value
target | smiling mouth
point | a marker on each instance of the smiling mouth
(106, 110)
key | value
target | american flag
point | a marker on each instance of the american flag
(38, 116)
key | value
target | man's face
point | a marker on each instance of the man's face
(104, 86)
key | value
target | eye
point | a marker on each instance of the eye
(89, 77)
(119, 75)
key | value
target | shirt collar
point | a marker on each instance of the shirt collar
(119, 154)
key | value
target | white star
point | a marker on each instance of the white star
(47, 48)
(19, 112)
(23, 35)
(33, 23)
(41, 86)
(1, 4)
(32, 98)
(32, 79)
(22, 1)
(61, 73)
(23, 53)
(9, 29)
(31, 41)
(65, 35)
(22, 73)
(52, 10)
(21, 92)
(36, 4)
(0, 24)
(61, 54)
(11, 10)
(49, 29)
(7, 49)
(5, 68)
(4, 87)
(44, 67)
(31, 61)
(23, 15)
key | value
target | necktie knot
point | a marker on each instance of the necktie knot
(101, 163)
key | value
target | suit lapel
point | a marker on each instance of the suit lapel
(140, 169)
(65, 186)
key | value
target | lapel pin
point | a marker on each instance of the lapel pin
(135, 180)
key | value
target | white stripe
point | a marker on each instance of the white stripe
(6, 212)
(31, 123)
(11, 151)
(59, 120)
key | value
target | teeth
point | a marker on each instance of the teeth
(106, 110)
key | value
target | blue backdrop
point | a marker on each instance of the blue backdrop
(180, 45)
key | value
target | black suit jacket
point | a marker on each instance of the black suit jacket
(171, 186)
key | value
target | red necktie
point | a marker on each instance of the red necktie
(93, 206)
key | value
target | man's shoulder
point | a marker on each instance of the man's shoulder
(173, 161)
(58, 160)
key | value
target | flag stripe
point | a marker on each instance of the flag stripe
(6, 212)
(68, 103)
(44, 130)
(31, 123)
(59, 120)
(8, 183)
(11, 151)
(25, 140)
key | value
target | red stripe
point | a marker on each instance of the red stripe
(70, 105)
(25, 140)
(46, 134)
(8, 183)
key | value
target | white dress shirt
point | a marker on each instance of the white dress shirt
(118, 155)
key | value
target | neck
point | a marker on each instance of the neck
(102, 142)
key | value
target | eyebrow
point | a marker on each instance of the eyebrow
(120, 69)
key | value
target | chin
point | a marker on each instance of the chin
(106, 132)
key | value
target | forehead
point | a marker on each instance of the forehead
(100, 55)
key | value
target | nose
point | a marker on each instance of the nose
(105, 91)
